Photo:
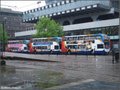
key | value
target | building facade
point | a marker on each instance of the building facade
(48, 2)
(79, 16)
(13, 22)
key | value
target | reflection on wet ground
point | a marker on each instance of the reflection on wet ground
(27, 78)
(93, 85)
(36, 75)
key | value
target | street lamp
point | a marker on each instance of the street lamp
(3, 42)
(4, 22)
(119, 30)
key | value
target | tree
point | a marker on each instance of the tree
(3, 36)
(47, 27)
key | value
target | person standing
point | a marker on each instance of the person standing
(116, 56)
(113, 55)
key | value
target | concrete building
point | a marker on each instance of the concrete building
(52, 1)
(13, 22)
(79, 17)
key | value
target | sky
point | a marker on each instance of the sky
(22, 5)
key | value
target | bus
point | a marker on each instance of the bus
(17, 46)
(98, 44)
(50, 45)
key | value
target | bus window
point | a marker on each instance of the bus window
(41, 47)
(56, 47)
(81, 46)
(72, 46)
(44, 47)
(99, 46)
(25, 48)
(75, 47)
(69, 46)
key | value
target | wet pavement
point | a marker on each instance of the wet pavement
(26, 78)
(30, 75)
(93, 85)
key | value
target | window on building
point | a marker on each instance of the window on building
(66, 23)
(82, 20)
(50, 6)
(115, 3)
(108, 16)
(67, 1)
(54, 5)
(63, 2)
(58, 4)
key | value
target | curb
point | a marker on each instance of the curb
(28, 59)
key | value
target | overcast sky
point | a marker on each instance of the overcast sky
(22, 5)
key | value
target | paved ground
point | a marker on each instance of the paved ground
(89, 84)
(71, 69)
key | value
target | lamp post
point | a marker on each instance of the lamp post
(119, 30)
(5, 18)
(3, 62)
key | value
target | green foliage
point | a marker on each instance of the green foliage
(1, 34)
(47, 27)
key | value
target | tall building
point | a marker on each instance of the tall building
(13, 22)
(79, 16)
(52, 1)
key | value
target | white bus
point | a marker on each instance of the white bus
(16, 46)
(45, 45)
(86, 44)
